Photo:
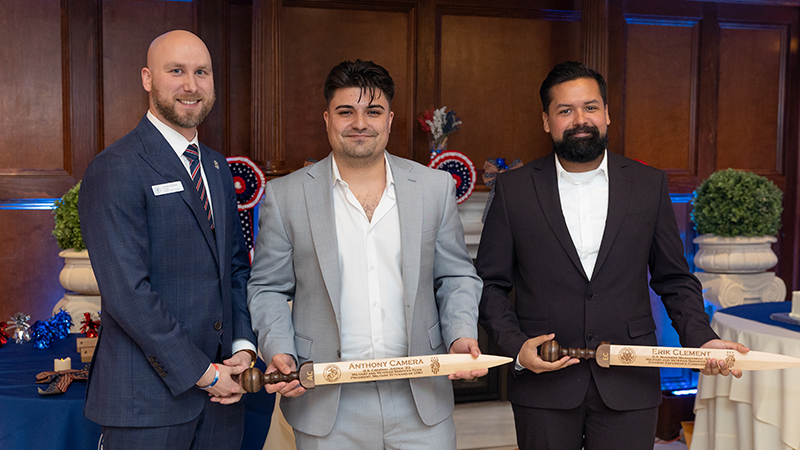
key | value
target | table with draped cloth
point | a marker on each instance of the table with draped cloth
(761, 410)
(56, 422)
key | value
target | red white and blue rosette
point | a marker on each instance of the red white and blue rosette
(249, 182)
(460, 168)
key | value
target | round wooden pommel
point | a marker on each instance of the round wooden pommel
(252, 380)
(550, 351)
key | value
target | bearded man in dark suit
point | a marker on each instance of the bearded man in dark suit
(574, 234)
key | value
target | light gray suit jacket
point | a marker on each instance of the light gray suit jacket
(297, 258)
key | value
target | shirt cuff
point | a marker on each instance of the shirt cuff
(243, 344)
(519, 367)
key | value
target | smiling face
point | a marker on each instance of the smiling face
(179, 79)
(358, 125)
(577, 120)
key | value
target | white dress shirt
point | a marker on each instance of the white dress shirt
(179, 145)
(373, 319)
(584, 204)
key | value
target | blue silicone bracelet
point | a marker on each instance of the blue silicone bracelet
(216, 378)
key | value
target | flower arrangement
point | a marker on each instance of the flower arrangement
(737, 203)
(439, 123)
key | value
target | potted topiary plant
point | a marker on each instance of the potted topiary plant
(77, 275)
(738, 215)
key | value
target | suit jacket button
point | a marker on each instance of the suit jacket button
(590, 337)
(217, 326)
(590, 296)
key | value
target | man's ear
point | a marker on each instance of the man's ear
(546, 123)
(147, 79)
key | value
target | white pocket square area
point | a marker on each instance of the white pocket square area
(167, 188)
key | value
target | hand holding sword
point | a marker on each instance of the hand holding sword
(311, 375)
(726, 354)
(290, 386)
(538, 356)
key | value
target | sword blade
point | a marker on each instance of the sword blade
(397, 368)
(689, 358)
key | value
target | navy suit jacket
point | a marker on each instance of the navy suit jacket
(526, 245)
(172, 289)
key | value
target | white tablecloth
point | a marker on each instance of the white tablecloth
(761, 410)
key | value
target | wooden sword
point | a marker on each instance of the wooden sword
(684, 357)
(311, 375)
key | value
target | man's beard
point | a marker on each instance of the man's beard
(581, 150)
(169, 112)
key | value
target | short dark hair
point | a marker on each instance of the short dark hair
(361, 74)
(568, 71)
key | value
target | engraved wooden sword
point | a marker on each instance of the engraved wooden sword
(311, 374)
(684, 357)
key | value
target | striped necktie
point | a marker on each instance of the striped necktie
(193, 155)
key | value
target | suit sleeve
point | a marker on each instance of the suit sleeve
(496, 265)
(680, 291)
(113, 212)
(272, 282)
(240, 271)
(457, 285)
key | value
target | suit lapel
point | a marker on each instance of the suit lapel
(216, 186)
(619, 194)
(321, 218)
(160, 156)
(409, 208)
(545, 184)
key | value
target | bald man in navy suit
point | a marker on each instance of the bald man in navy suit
(159, 217)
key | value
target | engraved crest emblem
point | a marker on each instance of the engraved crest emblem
(730, 361)
(435, 365)
(332, 373)
(626, 355)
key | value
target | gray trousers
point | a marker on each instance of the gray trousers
(380, 415)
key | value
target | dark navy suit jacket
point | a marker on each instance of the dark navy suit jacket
(526, 245)
(172, 289)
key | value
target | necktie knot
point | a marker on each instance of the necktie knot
(191, 153)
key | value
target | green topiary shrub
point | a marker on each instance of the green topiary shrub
(737, 203)
(68, 226)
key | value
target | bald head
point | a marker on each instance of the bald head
(180, 81)
(176, 41)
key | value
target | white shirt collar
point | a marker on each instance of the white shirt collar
(603, 168)
(337, 177)
(174, 139)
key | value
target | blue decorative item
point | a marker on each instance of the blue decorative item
(42, 334)
(61, 322)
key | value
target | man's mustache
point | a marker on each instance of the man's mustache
(581, 129)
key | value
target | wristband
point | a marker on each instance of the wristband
(216, 378)
(252, 356)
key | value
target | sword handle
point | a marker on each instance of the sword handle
(253, 379)
(550, 351)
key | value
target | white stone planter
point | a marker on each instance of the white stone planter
(735, 254)
(77, 276)
(736, 270)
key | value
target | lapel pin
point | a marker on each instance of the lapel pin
(216, 164)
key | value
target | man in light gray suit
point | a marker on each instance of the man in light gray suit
(371, 249)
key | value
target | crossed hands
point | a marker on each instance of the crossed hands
(228, 388)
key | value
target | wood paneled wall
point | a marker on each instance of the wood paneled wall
(694, 86)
